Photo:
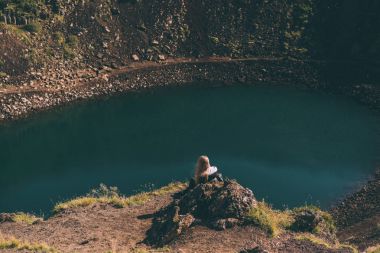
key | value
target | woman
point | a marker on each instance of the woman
(204, 172)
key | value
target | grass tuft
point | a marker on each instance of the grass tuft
(117, 200)
(319, 241)
(326, 226)
(157, 250)
(274, 222)
(33, 27)
(11, 243)
(25, 218)
(373, 249)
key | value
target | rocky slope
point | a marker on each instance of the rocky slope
(358, 216)
(54, 52)
(94, 34)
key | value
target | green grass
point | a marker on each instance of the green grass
(33, 27)
(72, 41)
(274, 222)
(117, 200)
(25, 218)
(3, 74)
(319, 241)
(12, 243)
(58, 38)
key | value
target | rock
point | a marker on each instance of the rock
(170, 226)
(306, 221)
(115, 11)
(256, 249)
(142, 27)
(223, 224)
(220, 205)
(219, 200)
(135, 57)
(6, 217)
(161, 57)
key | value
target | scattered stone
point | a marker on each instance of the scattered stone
(161, 57)
(223, 224)
(135, 57)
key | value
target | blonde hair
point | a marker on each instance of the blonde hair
(203, 164)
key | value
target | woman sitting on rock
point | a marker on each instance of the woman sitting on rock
(204, 172)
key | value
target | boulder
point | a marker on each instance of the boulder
(217, 200)
(306, 221)
(170, 225)
(219, 205)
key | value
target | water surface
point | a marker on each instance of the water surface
(290, 147)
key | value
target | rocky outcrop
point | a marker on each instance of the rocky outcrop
(219, 205)
(306, 221)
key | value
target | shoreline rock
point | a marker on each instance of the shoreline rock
(276, 72)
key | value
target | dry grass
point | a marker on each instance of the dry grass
(373, 249)
(25, 218)
(12, 243)
(272, 221)
(144, 250)
(15, 30)
(319, 241)
(119, 201)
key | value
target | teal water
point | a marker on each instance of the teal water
(290, 147)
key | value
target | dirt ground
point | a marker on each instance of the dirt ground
(103, 228)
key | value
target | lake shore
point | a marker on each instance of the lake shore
(39, 95)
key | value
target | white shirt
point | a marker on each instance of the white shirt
(211, 170)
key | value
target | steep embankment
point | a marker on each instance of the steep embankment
(358, 216)
(57, 46)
